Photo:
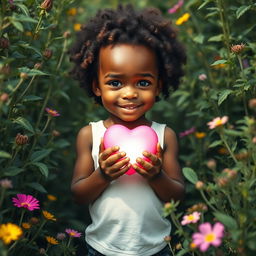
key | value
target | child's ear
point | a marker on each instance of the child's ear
(95, 88)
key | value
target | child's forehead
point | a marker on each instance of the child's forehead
(127, 56)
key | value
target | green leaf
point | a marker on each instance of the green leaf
(31, 98)
(39, 155)
(215, 144)
(182, 252)
(4, 154)
(12, 171)
(23, 8)
(242, 10)
(223, 95)
(190, 175)
(226, 220)
(217, 38)
(61, 143)
(17, 25)
(217, 62)
(23, 18)
(24, 123)
(32, 72)
(203, 4)
(42, 168)
(198, 39)
(37, 187)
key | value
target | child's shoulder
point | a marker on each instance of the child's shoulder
(85, 134)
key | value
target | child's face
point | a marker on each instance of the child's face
(128, 81)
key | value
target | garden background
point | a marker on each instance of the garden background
(42, 109)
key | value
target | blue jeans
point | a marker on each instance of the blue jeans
(93, 252)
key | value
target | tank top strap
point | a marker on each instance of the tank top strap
(159, 129)
(98, 130)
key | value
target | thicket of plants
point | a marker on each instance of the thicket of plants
(42, 109)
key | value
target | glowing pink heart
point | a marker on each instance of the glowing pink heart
(133, 142)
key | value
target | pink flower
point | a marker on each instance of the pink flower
(218, 121)
(202, 77)
(52, 112)
(208, 235)
(191, 218)
(187, 132)
(176, 7)
(72, 232)
(26, 201)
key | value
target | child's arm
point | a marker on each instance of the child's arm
(164, 173)
(87, 183)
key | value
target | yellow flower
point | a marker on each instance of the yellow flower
(10, 232)
(72, 12)
(200, 135)
(182, 19)
(49, 216)
(51, 197)
(77, 26)
(51, 240)
(192, 245)
(26, 225)
(28, 33)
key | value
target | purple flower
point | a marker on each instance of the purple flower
(26, 201)
(187, 132)
(176, 7)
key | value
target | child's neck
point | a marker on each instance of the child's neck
(131, 125)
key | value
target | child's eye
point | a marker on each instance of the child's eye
(114, 83)
(143, 83)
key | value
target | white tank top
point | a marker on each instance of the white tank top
(127, 217)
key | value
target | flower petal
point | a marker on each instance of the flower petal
(205, 228)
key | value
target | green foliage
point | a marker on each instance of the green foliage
(37, 149)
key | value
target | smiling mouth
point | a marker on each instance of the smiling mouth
(130, 107)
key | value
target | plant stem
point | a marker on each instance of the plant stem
(227, 146)
(38, 231)
(39, 22)
(21, 217)
(62, 54)
(24, 92)
(46, 125)
(244, 78)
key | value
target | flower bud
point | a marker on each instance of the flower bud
(38, 65)
(6, 183)
(222, 181)
(238, 48)
(167, 239)
(199, 185)
(47, 53)
(211, 164)
(61, 236)
(202, 77)
(66, 34)
(254, 140)
(21, 139)
(4, 43)
(5, 69)
(46, 5)
(42, 251)
(23, 75)
(4, 97)
(252, 104)
(34, 220)
(55, 133)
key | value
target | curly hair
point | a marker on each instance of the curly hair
(127, 25)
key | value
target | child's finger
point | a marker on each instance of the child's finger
(153, 158)
(114, 158)
(145, 164)
(101, 148)
(107, 152)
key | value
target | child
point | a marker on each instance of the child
(125, 59)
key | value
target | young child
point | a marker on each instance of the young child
(125, 59)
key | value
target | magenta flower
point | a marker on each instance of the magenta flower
(218, 121)
(187, 132)
(176, 7)
(208, 235)
(191, 218)
(52, 112)
(26, 201)
(73, 232)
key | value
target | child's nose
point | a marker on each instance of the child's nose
(130, 93)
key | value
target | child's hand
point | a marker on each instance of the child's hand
(111, 165)
(151, 169)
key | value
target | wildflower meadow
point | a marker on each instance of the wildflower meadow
(212, 113)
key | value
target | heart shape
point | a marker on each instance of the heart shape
(132, 141)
